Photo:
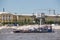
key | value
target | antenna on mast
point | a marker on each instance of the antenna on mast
(54, 12)
(49, 11)
(3, 10)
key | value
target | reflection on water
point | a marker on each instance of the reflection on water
(29, 36)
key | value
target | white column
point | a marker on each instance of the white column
(11, 18)
(2, 18)
(5, 17)
(17, 17)
(40, 22)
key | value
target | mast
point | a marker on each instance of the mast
(54, 12)
(49, 11)
(3, 10)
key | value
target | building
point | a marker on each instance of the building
(25, 18)
(22, 18)
(7, 17)
(52, 18)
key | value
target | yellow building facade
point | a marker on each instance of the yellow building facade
(10, 17)
(52, 18)
(22, 18)
(7, 17)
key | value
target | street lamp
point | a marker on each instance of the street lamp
(39, 16)
(16, 19)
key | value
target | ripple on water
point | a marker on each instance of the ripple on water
(30, 36)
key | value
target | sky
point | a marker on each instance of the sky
(29, 6)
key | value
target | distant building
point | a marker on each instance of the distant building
(7, 17)
(10, 17)
(54, 18)
(29, 18)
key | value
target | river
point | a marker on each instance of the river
(29, 36)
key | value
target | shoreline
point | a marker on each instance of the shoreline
(28, 26)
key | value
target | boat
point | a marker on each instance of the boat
(45, 29)
(40, 29)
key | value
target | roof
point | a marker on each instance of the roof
(5, 13)
(52, 15)
(26, 14)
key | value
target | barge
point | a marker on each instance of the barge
(45, 29)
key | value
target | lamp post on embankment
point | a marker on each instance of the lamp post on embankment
(41, 17)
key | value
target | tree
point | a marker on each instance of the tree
(49, 22)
